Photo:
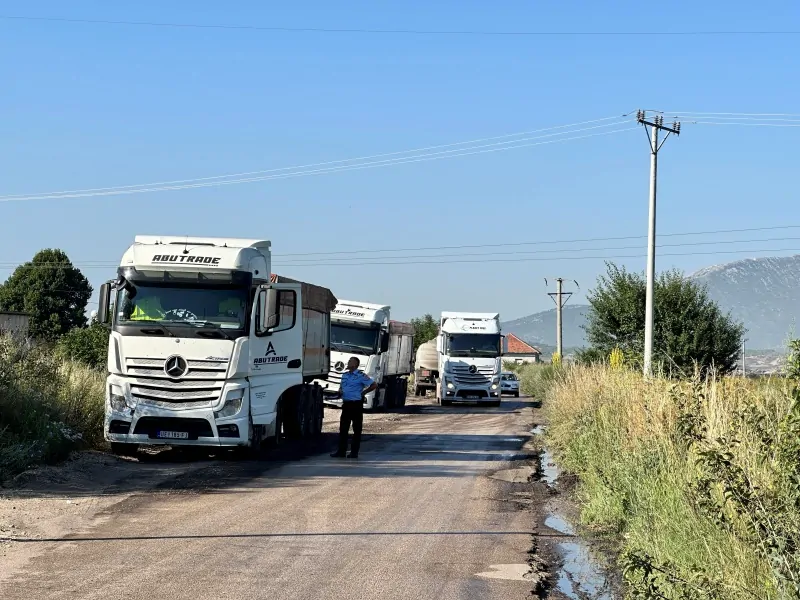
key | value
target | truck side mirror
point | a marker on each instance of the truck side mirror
(103, 313)
(385, 341)
(439, 344)
(271, 315)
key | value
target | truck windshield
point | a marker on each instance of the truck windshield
(223, 306)
(358, 340)
(473, 344)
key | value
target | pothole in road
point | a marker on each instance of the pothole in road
(513, 572)
(521, 475)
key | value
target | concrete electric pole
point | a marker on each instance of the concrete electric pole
(656, 125)
(560, 297)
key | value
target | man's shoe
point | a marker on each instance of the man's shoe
(337, 455)
(351, 455)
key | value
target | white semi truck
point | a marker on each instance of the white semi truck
(470, 349)
(208, 348)
(383, 347)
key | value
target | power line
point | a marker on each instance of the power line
(404, 260)
(326, 163)
(397, 31)
(369, 165)
(105, 264)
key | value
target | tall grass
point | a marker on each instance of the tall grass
(698, 481)
(48, 406)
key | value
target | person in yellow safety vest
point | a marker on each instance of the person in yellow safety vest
(147, 309)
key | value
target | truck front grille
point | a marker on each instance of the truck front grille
(201, 386)
(482, 377)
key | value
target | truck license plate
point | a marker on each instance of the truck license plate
(472, 397)
(173, 435)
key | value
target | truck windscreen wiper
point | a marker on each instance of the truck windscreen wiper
(148, 330)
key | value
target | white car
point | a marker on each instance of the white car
(509, 384)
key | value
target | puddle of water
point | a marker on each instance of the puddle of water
(559, 524)
(538, 430)
(580, 577)
(550, 470)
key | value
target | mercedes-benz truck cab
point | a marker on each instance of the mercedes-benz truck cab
(470, 348)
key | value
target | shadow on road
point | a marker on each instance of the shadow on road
(383, 455)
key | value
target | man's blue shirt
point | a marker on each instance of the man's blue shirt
(353, 385)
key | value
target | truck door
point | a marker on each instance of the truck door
(276, 345)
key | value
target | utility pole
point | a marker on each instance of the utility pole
(656, 125)
(560, 297)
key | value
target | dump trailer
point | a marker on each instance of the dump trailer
(383, 347)
(426, 368)
(209, 348)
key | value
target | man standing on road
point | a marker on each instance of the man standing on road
(354, 385)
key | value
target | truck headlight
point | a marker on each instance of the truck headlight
(449, 384)
(116, 398)
(495, 383)
(232, 406)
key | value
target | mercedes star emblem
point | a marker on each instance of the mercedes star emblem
(175, 366)
(473, 369)
(339, 366)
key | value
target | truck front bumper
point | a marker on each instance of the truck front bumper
(470, 394)
(148, 424)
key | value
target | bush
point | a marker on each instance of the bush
(697, 480)
(88, 345)
(48, 406)
(536, 379)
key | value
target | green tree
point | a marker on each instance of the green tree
(425, 329)
(51, 290)
(689, 328)
(88, 345)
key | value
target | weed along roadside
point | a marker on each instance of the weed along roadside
(692, 484)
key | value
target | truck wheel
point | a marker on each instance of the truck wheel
(122, 449)
(277, 440)
(417, 392)
(291, 420)
(402, 392)
(304, 413)
(318, 409)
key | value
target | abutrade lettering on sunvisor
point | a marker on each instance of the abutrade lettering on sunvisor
(182, 258)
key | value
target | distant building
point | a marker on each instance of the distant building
(15, 323)
(519, 351)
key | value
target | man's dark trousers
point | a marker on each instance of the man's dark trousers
(352, 412)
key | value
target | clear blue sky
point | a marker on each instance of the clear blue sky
(87, 106)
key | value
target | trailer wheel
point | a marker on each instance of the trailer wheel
(291, 414)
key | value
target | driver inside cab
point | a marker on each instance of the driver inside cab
(233, 308)
(147, 309)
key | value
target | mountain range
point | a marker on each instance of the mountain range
(761, 293)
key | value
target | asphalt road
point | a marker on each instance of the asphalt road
(423, 513)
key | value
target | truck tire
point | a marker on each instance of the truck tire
(417, 391)
(402, 392)
(277, 439)
(318, 411)
(304, 412)
(292, 424)
(122, 449)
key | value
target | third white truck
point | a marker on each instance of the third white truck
(383, 347)
(470, 348)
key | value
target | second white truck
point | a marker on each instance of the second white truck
(384, 348)
(470, 348)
